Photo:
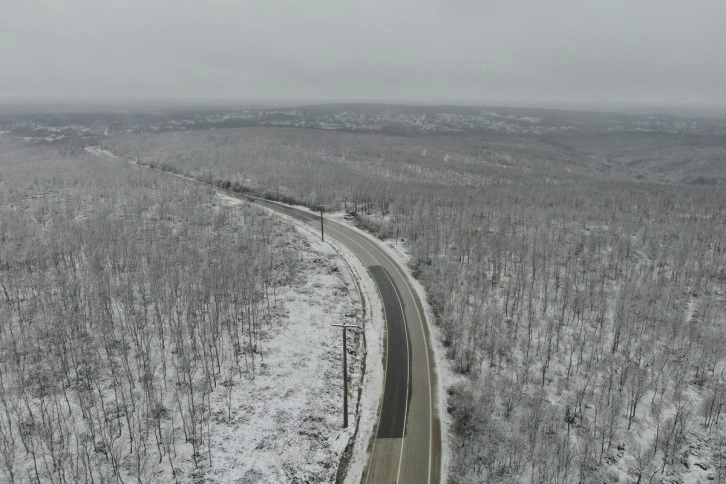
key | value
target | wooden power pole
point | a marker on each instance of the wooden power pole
(322, 232)
(345, 371)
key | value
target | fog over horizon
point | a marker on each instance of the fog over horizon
(562, 53)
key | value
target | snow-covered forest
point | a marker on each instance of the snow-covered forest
(144, 320)
(583, 308)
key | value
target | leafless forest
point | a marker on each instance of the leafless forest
(136, 312)
(580, 287)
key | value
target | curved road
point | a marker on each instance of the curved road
(406, 447)
(407, 444)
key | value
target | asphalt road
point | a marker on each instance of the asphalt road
(407, 443)
(397, 390)
(406, 447)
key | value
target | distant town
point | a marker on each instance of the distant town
(389, 119)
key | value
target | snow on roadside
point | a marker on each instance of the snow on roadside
(398, 251)
(445, 373)
(370, 316)
(285, 423)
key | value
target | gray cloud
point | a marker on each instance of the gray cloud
(486, 51)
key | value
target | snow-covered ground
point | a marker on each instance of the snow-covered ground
(370, 315)
(287, 423)
(398, 250)
(98, 151)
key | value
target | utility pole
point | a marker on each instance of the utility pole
(345, 371)
(322, 232)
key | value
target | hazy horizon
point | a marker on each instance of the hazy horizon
(152, 104)
(563, 54)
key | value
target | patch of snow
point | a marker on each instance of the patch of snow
(98, 151)
(229, 201)
(372, 319)
(286, 422)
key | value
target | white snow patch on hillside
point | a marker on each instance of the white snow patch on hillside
(98, 151)
(229, 201)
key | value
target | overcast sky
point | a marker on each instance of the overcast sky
(543, 52)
